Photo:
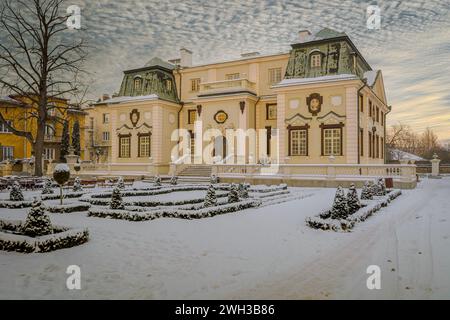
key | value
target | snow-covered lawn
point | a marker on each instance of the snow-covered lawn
(265, 252)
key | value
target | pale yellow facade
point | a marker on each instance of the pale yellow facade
(249, 94)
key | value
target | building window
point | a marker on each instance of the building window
(137, 83)
(382, 148)
(316, 60)
(298, 142)
(124, 146)
(268, 140)
(195, 85)
(361, 103)
(105, 136)
(106, 118)
(382, 118)
(192, 116)
(370, 144)
(49, 154)
(192, 142)
(370, 108)
(4, 129)
(274, 75)
(377, 145)
(144, 145)
(271, 111)
(361, 142)
(378, 115)
(232, 76)
(332, 140)
(49, 131)
(169, 85)
(7, 153)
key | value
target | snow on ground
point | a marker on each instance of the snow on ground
(266, 252)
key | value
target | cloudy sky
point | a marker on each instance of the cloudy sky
(412, 48)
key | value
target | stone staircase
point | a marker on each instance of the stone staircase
(194, 174)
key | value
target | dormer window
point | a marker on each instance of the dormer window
(137, 83)
(316, 60)
(169, 85)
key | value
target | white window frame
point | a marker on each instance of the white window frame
(144, 146)
(8, 151)
(125, 147)
(299, 142)
(49, 154)
(274, 75)
(332, 141)
(195, 85)
(105, 118)
(316, 60)
(4, 129)
(105, 135)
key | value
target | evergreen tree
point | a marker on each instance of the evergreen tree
(65, 143)
(373, 188)
(76, 138)
(48, 187)
(353, 200)
(381, 187)
(157, 181)
(120, 183)
(214, 179)
(116, 199)
(233, 195)
(340, 207)
(210, 199)
(366, 193)
(37, 222)
(243, 190)
(174, 180)
(77, 185)
(16, 193)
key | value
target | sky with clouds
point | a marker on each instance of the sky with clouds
(412, 48)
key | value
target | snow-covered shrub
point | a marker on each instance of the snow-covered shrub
(210, 199)
(233, 195)
(120, 183)
(61, 173)
(77, 185)
(366, 193)
(157, 181)
(116, 199)
(243, 190)
(16, 193)
(37, 222)
(353, 200)
(174, 180)
(47, 187)
(373, 186)
(381, 187)
(340, 207)
(68, 208)
(214, 179)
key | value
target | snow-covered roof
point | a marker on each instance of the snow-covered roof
(297, 81)
(10, 100)
(124, 99)
(371, 76)
(397, 154)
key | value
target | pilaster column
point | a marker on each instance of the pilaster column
(280, 137)
(351, 125)
(157, 134)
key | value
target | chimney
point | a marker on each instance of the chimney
(304, 35)
(185, 57)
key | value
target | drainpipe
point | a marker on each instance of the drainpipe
(358, 112)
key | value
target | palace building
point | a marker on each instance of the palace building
(318, 103)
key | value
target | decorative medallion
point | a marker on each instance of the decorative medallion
(122, 117)
(220, 116)
(314, 102)
(134, 117)
(336, 101)
(147, 115)
(293, 104)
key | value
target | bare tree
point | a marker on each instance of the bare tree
(40, 60)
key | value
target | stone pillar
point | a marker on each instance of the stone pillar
(157, 132)
(281, 126)
(243, 111)
(351, 125)
(435, 165)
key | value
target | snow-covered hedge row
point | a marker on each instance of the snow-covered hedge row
(68, 208)
(11, 240)
(272, 188)
(369, 208)
(15, 204)
(56, 196)
(174, 212)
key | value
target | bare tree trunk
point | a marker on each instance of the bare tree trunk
(38, 149)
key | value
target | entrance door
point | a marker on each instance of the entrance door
(220, 147)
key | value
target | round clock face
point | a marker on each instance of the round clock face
(220, 117)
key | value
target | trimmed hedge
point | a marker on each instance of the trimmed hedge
(7, 204)
(61, 238)
(68, 208)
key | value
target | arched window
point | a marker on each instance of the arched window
(316, 60)
(137, 83)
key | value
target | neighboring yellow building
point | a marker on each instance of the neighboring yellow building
(15, 110)
(318, 103)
